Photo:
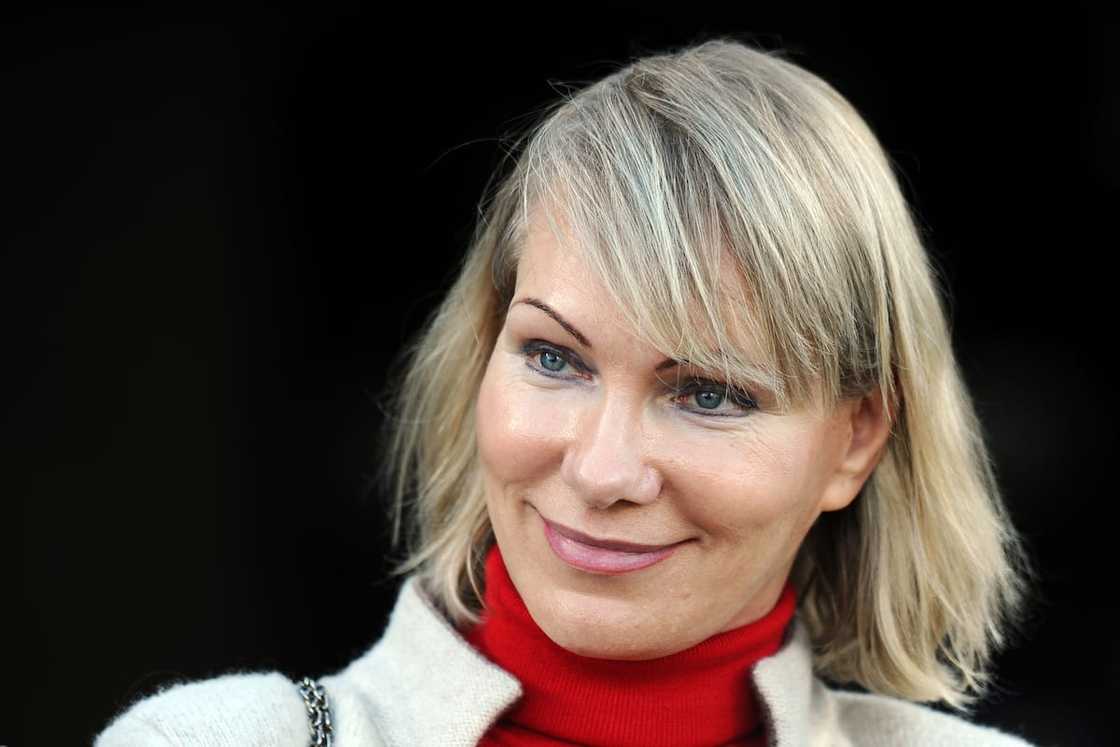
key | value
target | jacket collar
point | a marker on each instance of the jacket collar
(426, 684)
(787, 689)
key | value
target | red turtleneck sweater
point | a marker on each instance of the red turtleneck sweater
(701, 696)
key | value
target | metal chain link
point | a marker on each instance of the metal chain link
(318, 711)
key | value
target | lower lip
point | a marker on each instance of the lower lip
(600, 560)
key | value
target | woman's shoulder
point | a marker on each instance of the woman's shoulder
(393, 691)
(238, 708)
(872, 719)
(804, 708)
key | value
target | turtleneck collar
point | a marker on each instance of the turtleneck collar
(702, 695)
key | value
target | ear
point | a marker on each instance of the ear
(863, 429)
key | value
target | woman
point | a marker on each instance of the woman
(684, 449)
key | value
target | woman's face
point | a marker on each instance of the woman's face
(578, 430)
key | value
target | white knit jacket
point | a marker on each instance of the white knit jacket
(422, 684)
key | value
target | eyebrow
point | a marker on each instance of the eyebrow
(571, 330)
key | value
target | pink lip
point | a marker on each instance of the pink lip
(602, 556)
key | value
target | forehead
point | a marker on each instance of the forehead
(554, 267)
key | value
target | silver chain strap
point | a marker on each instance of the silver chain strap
(315, 698)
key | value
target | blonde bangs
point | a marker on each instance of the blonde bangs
(740, 271)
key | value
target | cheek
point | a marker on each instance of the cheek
(742, 485)
(517, 433)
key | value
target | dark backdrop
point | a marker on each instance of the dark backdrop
(218, 230)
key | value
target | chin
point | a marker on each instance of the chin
(594, 633)
(625, 652)
(593, 646)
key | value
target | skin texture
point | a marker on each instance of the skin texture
(618, 453)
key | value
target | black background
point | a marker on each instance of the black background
(218, 229)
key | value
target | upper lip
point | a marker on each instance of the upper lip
(606, 544)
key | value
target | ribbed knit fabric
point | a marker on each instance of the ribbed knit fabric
(701, 696)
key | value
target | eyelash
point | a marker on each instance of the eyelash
(742, 399)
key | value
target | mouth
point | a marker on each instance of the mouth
(604, 556)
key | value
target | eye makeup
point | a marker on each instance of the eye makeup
(688, 386)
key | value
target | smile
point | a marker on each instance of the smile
(602, 556)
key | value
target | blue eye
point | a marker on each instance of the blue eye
(709, 395)
(551, 360)
(548, 360)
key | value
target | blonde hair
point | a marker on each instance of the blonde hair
(664, 169)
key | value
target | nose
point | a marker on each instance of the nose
(606, 462)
